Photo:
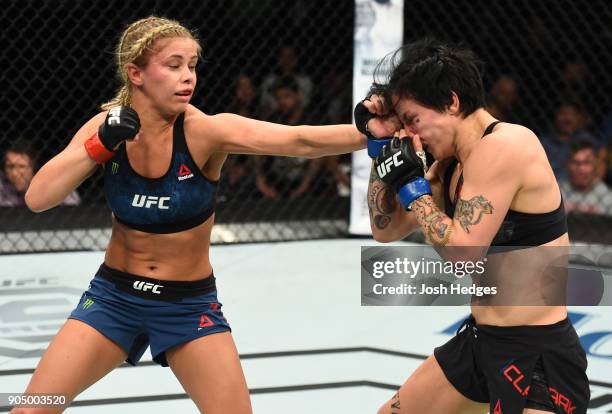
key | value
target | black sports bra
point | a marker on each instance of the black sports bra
(517, 229)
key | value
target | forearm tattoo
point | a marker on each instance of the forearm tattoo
(395, 404)
(381, 201)
(436, 225)
(470, 212)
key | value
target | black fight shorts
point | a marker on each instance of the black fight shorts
(541, 367)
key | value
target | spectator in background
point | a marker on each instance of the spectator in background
(237, 177)
(606, 153)
(504, 101)
(244, 102)
(291, 107)
(337, 98)
(578, 84)
(584, 191)
(20, 164)
(569, 126)
(288, 176)
(237, 180)
(285, 67)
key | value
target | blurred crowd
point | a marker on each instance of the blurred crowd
(289, 97)
(575, 132)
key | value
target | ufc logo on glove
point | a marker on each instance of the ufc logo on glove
(114, 116)
(385, 168)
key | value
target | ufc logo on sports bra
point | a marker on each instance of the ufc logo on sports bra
(150, 201)
(144, 286)
(385, 168)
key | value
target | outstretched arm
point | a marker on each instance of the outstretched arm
(236, 134)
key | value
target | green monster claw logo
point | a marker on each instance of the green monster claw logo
(114, 167)
(87, 304)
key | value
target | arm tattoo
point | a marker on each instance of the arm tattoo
(395, 404)
(470, 212)
(381, 201)
(436, 225)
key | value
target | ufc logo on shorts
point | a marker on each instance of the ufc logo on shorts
(144, 286)
(114, 116)
(149, 201)
(385, 168)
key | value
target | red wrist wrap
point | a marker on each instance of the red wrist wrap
(96, 150)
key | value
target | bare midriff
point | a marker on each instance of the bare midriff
(525, 314)
(181, 256)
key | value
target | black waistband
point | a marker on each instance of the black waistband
(157, 289)
(525, 331)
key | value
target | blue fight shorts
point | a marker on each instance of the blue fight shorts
(135, 312)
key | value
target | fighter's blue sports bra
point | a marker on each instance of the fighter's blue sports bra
(180, 199)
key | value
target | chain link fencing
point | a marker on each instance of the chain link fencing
(546, 66)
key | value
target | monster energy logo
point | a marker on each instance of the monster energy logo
(87, 304)
(114, 167)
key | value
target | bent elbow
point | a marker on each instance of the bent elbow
(382, 236)
(33, 203)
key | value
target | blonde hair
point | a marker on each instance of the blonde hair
(136, 44)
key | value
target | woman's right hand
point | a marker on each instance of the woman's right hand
(122, 123)
(380, 122)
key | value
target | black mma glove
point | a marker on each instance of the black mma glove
(400, 167)
(362, 116)
(121, 123)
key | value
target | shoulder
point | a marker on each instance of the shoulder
(194, 115)
(198, 124)
(513, 137)
(507, 155)
(508, 144)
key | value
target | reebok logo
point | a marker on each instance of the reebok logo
(205, 322)
(385, 168)
(145, 286)
(184, 173)
(149, 201)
